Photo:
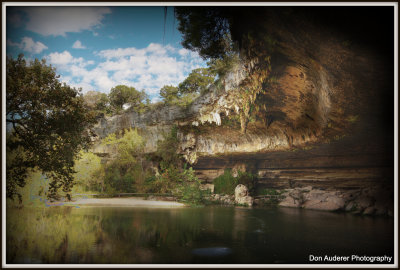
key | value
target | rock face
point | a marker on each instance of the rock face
(322, 87)
(242, 196)
(356, 201)
(328, 121)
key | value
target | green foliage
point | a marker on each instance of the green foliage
(205, 30)
(225, 183)
(125, 173)
(198, 81)
(185, 100)
(86, 168)
(98, 102)
(189, 187)
(120, 177)
(169, 93)
(166, 150)
(179, 100)
(48, 125)
(182, 183)
(216, 31)
(247, 179)
(222, 66)
(33, 192)
(122, 94)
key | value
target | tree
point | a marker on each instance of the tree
(122, 94)
(216, 31)
(205, 30)
(125, 173)
(97, 101)
(169, 93)
(47, 125)
(198, 81)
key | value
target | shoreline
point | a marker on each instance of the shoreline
(125, 202)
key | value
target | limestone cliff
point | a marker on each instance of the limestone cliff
(328, 118)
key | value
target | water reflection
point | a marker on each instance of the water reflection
(190, 235)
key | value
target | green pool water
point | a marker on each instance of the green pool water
(211, 234)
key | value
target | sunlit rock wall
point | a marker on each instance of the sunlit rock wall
(329, 115)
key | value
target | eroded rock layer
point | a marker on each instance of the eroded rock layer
(328, 119)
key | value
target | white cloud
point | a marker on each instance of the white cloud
(183, 52)
(148, 68)
(118, 53)
(78, 45)
(65, 61)
(60, 59)
(29, 45)
(57, 21)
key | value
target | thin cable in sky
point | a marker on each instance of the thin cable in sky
(165, 22)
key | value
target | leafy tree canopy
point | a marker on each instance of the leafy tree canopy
(198, 81)
(122, 94)
(169, 93)
(205, 30)
(216, 31)
(47, 125)
(97, 101)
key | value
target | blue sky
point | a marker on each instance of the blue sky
(97, 48)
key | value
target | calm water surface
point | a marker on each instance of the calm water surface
(212, 234)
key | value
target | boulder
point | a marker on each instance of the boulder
(241, 191)
(330, 202)
(289, 202)
(242, 195)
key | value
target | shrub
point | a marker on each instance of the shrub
(166, 150)
(226, 183)
(247, 179)
(126, 172)
(189, 187)
(182, 183)
(86, 167)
